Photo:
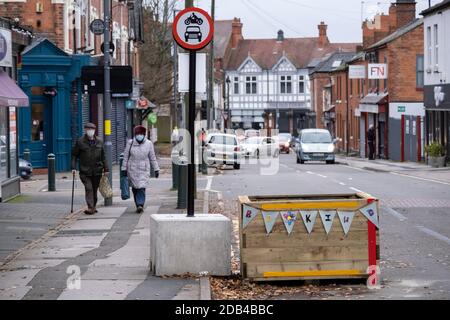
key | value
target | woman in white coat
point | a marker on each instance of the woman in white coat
(139, 157)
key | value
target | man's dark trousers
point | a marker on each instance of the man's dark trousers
(91, 184)
(371, 150)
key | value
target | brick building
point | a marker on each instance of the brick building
(51, 73)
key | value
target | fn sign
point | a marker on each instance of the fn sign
(378, 71)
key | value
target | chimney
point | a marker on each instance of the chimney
(401, 13)
(323, 39)
(236, 32)
(280, 36)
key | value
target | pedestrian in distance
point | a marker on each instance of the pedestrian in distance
(371, 141)
(138, 158)
(90, 152)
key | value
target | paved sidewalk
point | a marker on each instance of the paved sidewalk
(413, 169)
(44, 247)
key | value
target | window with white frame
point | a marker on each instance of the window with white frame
(429, 47)
(236, 85)
(286, 84)
(301, 84)
(250, 85)
(436, 44)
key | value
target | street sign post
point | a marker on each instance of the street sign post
(192, 29)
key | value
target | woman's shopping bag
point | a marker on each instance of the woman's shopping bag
(124, 186)
(105, 188)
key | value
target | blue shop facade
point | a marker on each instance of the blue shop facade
(50, 78)
(60, 105)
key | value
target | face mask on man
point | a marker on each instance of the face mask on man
(90, 133)
(140, 137)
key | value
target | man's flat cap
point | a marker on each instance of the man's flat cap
(90, 125)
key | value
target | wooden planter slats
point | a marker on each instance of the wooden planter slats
(304, 256)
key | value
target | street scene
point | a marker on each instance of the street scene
(199, 151)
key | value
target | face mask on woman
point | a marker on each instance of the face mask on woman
(90, 133)
(140, 137)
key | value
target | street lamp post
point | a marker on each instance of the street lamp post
(228, 81)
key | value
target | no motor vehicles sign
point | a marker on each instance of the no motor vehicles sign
(193, 29)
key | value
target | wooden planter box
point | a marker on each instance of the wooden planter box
(308, 256)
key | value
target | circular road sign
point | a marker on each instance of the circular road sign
(97, 26)
(193, 28)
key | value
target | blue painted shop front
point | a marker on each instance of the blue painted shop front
(51, 79)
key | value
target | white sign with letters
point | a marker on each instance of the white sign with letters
(378, 71)
(357, 72)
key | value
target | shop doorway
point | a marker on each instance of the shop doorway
(41, 131)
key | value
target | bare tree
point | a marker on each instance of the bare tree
(156, 52)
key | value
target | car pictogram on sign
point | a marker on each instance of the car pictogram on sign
(193, 32)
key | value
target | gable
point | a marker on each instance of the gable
(284, 65)
(249, 66)
(43, 47)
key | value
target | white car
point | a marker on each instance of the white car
(316, 145)
(223, 149)
(257, 147)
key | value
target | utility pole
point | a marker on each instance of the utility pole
(107, 92)
(175, 77)
(346, 113)
(210, 114)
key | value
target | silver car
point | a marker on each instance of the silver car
(315, 145)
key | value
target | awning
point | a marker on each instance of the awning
(10, 93)
(373, 98)
(329, 108)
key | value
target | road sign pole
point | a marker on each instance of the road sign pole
(107, 94)
(191, 126)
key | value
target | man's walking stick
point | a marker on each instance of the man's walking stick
(73, 189)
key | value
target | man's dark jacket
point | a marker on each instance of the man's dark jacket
(92, 157)
(371, 135)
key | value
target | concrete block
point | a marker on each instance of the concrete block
(180, 245)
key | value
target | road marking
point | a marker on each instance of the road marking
(396, 214)
(310, 172)
(359, 169)
(357, 190)
(342, 184)
(209, 183)
(418, 178)
(434, 234)
(322, 176)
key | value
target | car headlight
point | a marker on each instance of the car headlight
(330, 148)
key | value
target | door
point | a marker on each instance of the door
(410, 138)
(362, 137)
(41, 135)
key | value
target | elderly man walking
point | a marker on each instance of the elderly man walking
(138, 157)
(90, 151)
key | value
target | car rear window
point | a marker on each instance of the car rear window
(223, 140)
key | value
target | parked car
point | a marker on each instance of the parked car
(25, 169)
(223, 149)
(251, 133)
(315, 145)
(257, 147)
(284, 142)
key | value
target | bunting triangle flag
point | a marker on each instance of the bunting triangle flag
(346, 218)
(269, 219)
(289, 218)
(371, 212)
(248, 214)
(309, 218)
(327, 219)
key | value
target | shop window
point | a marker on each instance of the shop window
(37, 122)
(13, 155)
(3, 144)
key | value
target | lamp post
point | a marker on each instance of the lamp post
(228, 81)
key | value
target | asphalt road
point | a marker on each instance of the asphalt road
(414, 218)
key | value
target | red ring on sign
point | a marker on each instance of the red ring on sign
(182, 43)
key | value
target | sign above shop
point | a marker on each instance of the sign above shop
(357, 72)
(5, 48)
(378, 71)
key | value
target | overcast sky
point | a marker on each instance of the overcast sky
(299, 18)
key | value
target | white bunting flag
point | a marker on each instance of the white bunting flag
(289, 218)
(371, 212)
(327, 219)
(248, 214)
(346, 218)
(309, 218)
(269, 219)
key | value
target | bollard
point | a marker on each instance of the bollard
(26, 155)
(175, 171)
(204, 164)
(182, 184)
(51, 172)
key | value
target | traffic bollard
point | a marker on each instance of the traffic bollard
(182, 185)
(26, 155)
(51, 172)
(204, 164)
(174, 171)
